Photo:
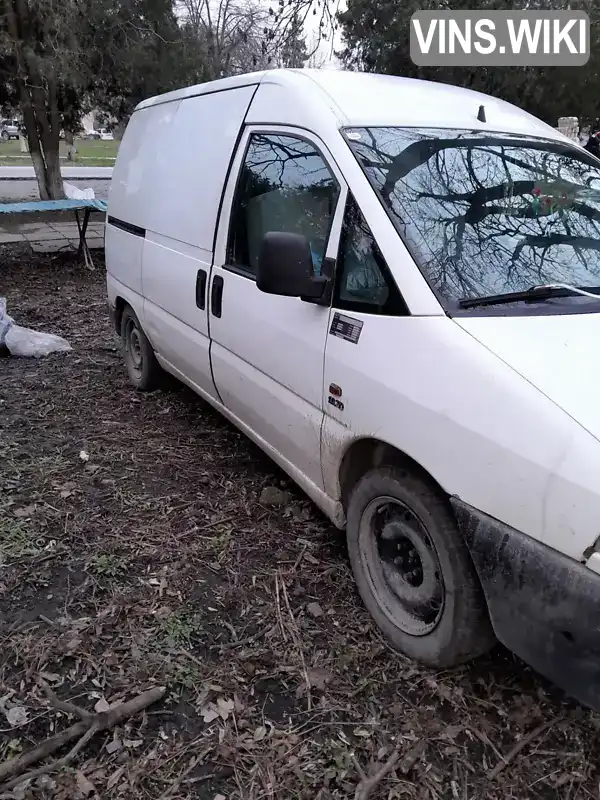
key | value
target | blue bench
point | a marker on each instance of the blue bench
(87, 206)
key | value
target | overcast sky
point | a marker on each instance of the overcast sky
(325, 50)
(326, 47)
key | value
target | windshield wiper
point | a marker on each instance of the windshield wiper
(543, 292)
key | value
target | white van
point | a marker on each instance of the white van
(391, 286)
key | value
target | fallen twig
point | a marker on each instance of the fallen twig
(176, 785)
(15, 766)
(359, 769)
(366, 786)
(190, 656)
(241, 642)
(12, 772)
(410, 758)
(56, 765)
(404, 765)
(62, 705)
(300, 557)
(298, 642)
(522, 743)
(278, 610)
(231, 630)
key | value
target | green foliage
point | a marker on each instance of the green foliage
(106, 565)
(184, 676)
(376, 34)
(293, 52)
(137, 50)
(16, 540)
(179, 628)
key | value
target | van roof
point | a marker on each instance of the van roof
(361, 98)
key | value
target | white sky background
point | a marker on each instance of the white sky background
(325, 51)
(324, 55)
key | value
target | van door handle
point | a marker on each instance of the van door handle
(201, 289)
(216, 296)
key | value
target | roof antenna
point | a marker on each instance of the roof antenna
(481, 114)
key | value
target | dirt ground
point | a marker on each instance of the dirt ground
(135, 554)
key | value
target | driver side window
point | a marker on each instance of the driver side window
(284, 185)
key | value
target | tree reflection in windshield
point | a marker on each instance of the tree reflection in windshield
(487, 213)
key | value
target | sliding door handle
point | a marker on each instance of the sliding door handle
(201, 278)
(216, 296)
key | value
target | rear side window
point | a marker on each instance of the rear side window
(284, 185)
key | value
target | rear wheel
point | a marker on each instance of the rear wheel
(413, 570)
(5, 136)
(144, 370)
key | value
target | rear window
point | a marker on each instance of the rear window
(483, 213)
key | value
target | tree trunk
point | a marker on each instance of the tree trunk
(55, 181)
(24, 83)
(39, 107)
(44, 155)
(40, 173)
(120, 128)
(37, 158)
(46, 114)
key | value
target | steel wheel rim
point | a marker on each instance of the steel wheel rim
(402, 566)
(133, 347)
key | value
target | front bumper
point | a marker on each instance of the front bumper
(544, 606)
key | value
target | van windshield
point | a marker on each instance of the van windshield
(485, 214)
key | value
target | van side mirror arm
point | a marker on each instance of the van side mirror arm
(323, 285)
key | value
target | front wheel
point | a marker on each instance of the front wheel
(413, 570)
(144, 370)
(5, 136)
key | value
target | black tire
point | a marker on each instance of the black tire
(413, 569)
(5, 136)
(145, 373)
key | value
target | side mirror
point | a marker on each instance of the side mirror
(285, 267)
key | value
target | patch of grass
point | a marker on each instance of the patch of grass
(339, 760)
(179, 628)
(90, 153)
(16, 540)
(185, 676)
(87, 148)
(10, 748)
(106, 565)
(221, 544)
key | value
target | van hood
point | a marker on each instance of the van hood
(559, 354)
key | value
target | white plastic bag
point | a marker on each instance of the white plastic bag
(5, 321)
(33, 344)
(74, 193)
(25, 342)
